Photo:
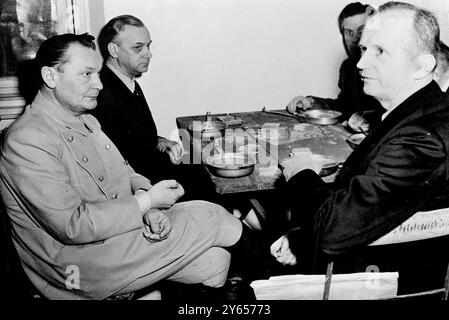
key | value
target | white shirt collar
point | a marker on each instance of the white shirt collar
(386, 113)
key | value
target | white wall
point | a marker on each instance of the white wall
(241, 55)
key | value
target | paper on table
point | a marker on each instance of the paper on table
(271, 125)
(302, 126)
(296, 151)
(270, 171)
(353, 286)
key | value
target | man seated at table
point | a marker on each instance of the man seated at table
(399, 169)
(124, 114)
(351, 97)
(85, 225)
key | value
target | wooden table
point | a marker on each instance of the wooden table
(259, 128)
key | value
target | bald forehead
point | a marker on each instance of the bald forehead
(394, 20)
(390, 28)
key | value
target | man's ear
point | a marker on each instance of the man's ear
(370, 10)
(112, 48)
(426, 65)
(48, 75)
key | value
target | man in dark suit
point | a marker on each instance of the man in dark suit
(124, 114)
(400, 168)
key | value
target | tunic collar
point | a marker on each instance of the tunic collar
(58, 113)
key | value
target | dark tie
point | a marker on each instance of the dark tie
(137, 90)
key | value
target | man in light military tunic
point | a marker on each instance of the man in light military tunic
(76, 205)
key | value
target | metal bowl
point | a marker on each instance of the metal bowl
(319, 116)
(230, 165)
(355, 140)
(209, 129)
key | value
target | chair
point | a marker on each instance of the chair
(421, 226)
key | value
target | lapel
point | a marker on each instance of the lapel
(126, 98)
(130, 111)
(113, 84)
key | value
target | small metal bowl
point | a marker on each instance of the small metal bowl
(355, 140)
(319, 116)
(209, 129)
(230, 165)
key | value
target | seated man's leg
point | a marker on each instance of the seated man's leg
(197, 226)
(210, 269)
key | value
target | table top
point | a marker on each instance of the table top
(271, 138)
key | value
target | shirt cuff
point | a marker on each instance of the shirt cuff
(143, 200)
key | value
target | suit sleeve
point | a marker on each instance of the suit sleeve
(111, 118)
(42, 185)
(402, 173)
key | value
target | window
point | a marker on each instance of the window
(24, 25)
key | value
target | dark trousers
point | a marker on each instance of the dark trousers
(194, 179)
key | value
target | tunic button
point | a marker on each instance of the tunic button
(114, 196)
(85, 159)
(70, 139)
(108, 146)
(101, 178)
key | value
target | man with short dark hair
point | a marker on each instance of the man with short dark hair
(85, 225)
(351, 97)
(400, 168)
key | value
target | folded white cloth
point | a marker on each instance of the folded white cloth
(351, 286)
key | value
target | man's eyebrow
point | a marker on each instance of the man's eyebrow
(140, 42)
(90, 68)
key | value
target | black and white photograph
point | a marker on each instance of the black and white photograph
(221, 157)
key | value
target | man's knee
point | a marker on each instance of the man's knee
(225, 225)
(216, 262)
